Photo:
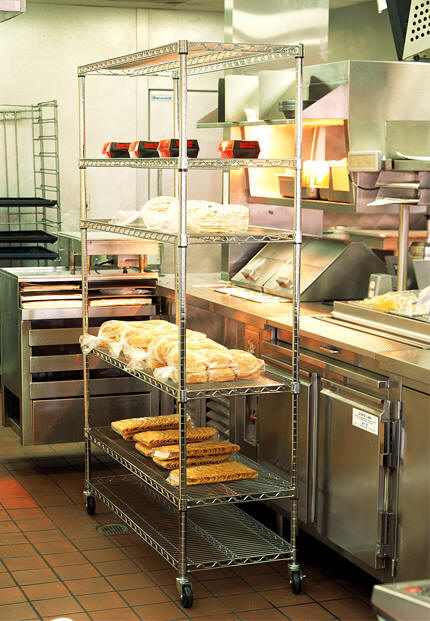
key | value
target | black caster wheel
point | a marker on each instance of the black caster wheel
(296, 582)
(187, 596)
(91, 505)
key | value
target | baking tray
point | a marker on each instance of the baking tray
(27, 202)
(27, 252)
(34, 236)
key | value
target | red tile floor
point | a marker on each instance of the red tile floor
(55, 564)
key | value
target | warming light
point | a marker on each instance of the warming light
(316, 173)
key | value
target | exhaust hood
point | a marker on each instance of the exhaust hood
(11, 8)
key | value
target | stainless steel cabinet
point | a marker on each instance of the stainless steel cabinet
(414, 487)
(356, 473)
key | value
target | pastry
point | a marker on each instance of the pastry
(197, 449)
(173, 464)
(130, 426)
(171, 436)
(214, 473)
(148, 451)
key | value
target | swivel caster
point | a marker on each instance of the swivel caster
(187, 596)
(90, 505)
(296, 581)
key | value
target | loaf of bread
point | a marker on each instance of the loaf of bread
(214, 473)
(173, 464)
(171, 436)
(246, 366)
(197, 449)
(130, 426)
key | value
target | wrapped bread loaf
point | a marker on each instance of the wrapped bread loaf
(246, 366)
(173, 464)
(130, 426)
(171, 436)
(214, 473)
(197, 449)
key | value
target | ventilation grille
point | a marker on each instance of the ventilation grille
(417, 42)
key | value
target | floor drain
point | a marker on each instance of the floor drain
(112, 529)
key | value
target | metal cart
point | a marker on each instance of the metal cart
(29, 179)
(216, 534)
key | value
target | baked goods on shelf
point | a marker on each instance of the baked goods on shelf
(198, 449)
(214, 473)
(171, 436)
(173, 464)
(161, 214)
(127, 427)
(148, 451)
(153, 346)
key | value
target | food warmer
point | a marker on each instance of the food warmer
(41, 310)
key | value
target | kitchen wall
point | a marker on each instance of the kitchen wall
(40, 52)
(359, 32)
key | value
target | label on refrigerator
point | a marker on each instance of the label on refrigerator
(364, 420)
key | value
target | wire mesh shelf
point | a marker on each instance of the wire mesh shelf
(267, 486)
(172, 163)
(203, 57)
(264, 384)
(219, 536)
(254, 234)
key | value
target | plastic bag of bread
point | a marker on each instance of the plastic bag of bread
(209, 217)
(196, 375)
(109, 338)
(214, 473)
(245, 365)
(129, 216)
(137, 339)
(161, 213)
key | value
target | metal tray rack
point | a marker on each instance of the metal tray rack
(217, 533)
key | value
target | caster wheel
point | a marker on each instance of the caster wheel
(187, 596)
(91, 505)
(296, 582)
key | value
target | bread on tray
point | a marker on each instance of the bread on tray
(148, 451)
(197, 449)
(172, 464)
(130, 426)
(214, 473)
(171, 436)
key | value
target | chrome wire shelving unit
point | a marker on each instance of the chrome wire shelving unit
(194, 527)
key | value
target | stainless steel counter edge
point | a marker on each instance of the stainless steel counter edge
(201, 294)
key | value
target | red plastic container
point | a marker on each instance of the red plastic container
(116, 150)
(143, 149)
(170, 148)
(230, 149)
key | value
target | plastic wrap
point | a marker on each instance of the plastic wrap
(161, 214)
(407, 303)
(109, 338)
(123, 218)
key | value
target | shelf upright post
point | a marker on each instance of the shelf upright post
(293, 565)
(180, 291)
(84, 273)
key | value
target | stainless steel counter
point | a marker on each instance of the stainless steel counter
(382, 350)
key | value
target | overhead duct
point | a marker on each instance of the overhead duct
(11, 8)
